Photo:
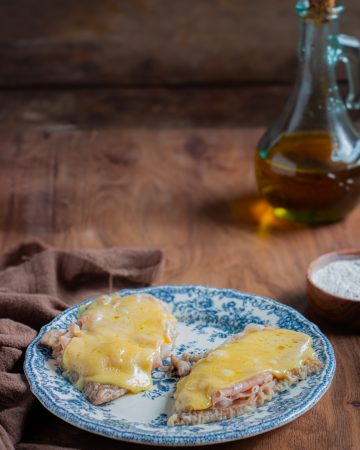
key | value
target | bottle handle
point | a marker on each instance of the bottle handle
(350, 56)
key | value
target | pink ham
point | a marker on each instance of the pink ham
(226, 397)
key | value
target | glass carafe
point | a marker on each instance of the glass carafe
(308, 162)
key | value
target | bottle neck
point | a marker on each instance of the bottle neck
(318, 52)
(316, 97)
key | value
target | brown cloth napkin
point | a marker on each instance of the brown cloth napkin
(36, 283)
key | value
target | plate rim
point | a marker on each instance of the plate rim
(216, 437)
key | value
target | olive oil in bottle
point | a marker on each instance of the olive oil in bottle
(303, 182)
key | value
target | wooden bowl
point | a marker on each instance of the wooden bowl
(340, 311)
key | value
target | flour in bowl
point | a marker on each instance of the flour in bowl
(341, 278)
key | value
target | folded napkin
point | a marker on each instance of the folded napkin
(36, 283)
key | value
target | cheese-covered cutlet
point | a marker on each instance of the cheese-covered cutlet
(247, 370)
(114, 346)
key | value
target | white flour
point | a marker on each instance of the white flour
(341, 278)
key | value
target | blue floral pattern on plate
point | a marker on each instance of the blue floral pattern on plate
(206, 317)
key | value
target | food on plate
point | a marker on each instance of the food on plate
(114, 346)
(244, 372)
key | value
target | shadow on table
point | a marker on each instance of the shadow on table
(248, 211)
(299, 302)
(329, 328)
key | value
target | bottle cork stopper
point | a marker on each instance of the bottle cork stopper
(322, 5)
(320, 10)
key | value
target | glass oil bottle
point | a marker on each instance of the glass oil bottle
(308, 162)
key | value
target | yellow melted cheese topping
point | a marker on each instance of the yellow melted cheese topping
(119, 340)
(257, 352)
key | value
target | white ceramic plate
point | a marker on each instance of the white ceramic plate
(206, 317)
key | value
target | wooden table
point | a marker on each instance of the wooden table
(174, 170)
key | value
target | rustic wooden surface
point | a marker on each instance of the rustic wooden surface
(184, 186)
(151, 42)
(72, 109)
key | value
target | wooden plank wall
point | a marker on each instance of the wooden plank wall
(150, 42)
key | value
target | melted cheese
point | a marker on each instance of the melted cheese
(119, 340)
(257, 352)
